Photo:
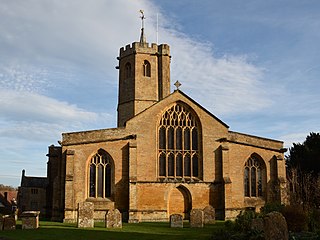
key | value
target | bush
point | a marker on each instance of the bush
(271, 207)
(240, 229)
(244, 220)
(304, 236)
(314, 220)
(296, 218)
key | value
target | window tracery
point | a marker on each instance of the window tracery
(178, 152)
(100, 175)
(254, 171)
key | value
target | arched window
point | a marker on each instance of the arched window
(128, 71)
(100, 175)
(146, 69)
(179, 155)
(254, 172)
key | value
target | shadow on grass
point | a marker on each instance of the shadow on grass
(140, 231)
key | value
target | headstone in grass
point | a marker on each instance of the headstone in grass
(176, 221)
(196, 218)
(209, 215)
(9, 223)
(113, 219)
(30, 219)
(85, 215)
(275, 227)
(1, 222)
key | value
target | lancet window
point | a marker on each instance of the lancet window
(146, 67)
(179, 145)
(100, 175)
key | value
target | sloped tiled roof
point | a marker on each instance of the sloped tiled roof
(36, 182)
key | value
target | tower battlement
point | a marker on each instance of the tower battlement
(137, 47)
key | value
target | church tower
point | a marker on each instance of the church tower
(144, 77)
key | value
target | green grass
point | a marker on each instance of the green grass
(138, 231)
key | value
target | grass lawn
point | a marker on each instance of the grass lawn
(138, 231)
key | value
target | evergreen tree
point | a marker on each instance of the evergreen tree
(303, 172)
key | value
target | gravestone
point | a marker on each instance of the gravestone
(196, 218)
(30, 219)
(9, 223)
(176, 221)
(113, 219)
(85, 215)
(275, 227)
(1, 223)
(209, 215)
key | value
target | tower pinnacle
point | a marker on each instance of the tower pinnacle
(142, 36)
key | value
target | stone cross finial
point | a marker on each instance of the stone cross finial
(177, 84)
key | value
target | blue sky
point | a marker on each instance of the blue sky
(254, 64)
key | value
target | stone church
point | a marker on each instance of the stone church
(167, 155)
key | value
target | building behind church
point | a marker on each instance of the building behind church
(167, 155)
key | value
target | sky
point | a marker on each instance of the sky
(254, 64)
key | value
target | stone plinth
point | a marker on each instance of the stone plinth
(85, 215)
(113, 219)
(196, 218)
(176, 221)
(30, 219)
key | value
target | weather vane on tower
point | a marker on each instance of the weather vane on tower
(142, 36)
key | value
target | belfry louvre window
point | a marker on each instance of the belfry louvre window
(146, 67)
(100, 175)
(178, 153)
(254, 172)
(128, 71)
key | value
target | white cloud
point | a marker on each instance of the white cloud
(31, 107)
(297, 137)
(35, 117)
(225, 85)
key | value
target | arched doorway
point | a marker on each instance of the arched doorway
(180, 202)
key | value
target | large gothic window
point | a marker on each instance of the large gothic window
(254, 174)
(179, 144)
(146, 67)
(100, 175)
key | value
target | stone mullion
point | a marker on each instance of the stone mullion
(191, 155)
(167, 149)
(250, 183)
(175, 164)
(182, 152)
(174, 150)
(104, 181)
(256, 185)
(257, 182)
(97, 177)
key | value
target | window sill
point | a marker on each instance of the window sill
(178, 180)
(99, 199)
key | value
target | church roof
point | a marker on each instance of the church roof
(177, 91)
(200, 106)
(36, 182)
